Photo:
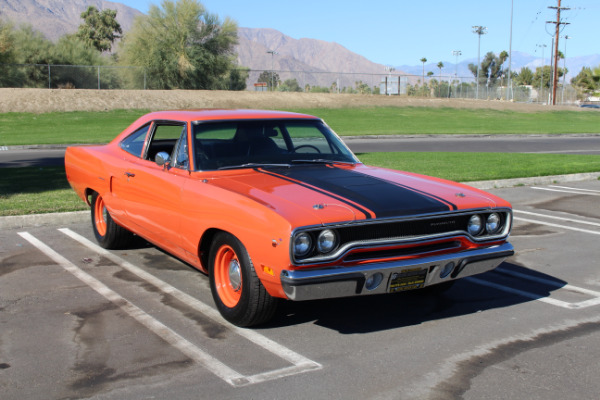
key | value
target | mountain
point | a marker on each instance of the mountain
(311, 60)
(54, 18)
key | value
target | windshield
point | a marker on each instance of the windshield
(243, 144)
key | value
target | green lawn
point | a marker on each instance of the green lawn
(101, 127)
(36, 190)
(465, 167)
(432, 121)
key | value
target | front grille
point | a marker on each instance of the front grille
(403, 229)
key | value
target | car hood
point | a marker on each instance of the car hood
(320, 194)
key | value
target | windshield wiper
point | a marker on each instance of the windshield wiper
(322, 161)
(254, 165)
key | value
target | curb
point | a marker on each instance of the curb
(37, 220)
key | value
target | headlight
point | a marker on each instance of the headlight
(493, 223)
(327, 241)
(475, 225)
(302, 244)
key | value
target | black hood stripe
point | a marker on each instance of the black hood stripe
(368, 214)
(371, 195)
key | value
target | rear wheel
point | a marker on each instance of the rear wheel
(108, 234)
(238, 293)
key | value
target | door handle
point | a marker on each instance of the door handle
(129, 174)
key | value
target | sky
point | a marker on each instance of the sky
(401, 32)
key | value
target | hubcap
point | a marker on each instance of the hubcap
(235, 275)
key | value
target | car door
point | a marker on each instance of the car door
(151, 193)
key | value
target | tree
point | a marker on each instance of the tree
(7, 54)
(271, 78)
(423, 60)
(100, 29)
(31, 47)
(181, 45)
(237, 78)
(362, 88)
(491, 68)
(524, 77)
(543, 76)
(290, 85)
(587, 81)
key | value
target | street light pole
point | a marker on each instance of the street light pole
(510, 93)
(479, 30)
(543, 46)
(456, 53)
(272, 53)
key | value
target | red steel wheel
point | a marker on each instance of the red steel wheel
(228, 276)
(108, 234)
(238, 293)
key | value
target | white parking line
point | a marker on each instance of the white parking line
(212, 364)
(559, 303)
(570, 190)
(577, 221)
(300, 363)
(556, 225)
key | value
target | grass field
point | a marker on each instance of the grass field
(101, 127)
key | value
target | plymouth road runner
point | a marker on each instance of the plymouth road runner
(273, 205)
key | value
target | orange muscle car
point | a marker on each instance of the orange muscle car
(272, 205)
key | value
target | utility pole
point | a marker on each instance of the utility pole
(556, 35)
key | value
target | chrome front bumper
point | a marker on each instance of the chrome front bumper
(326, 283)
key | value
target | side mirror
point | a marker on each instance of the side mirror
(162, 158)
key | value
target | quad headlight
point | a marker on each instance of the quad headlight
(326, 241)
(485, 224)
(302, 244)
(493, 223)
(315, 243)
(475, 225)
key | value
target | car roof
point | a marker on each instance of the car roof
(223, 114)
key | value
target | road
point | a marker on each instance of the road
(80, 322)
(11, 157)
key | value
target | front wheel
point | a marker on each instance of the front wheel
(108, 234)
(238, 293)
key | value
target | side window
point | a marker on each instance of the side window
(134, 143)
(164, 138)
(180, 155)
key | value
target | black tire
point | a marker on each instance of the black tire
(108, 234)
(239, 296)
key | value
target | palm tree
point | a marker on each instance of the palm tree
(440, 65)
(423, 60)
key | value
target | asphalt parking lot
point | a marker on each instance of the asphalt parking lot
(80, 322)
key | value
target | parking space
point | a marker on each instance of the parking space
(79, 321)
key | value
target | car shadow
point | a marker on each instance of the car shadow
(383, 312)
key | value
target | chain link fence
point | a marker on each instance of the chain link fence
(434, 86)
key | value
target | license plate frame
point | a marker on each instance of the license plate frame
(410, 279)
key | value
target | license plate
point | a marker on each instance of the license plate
(407, 280)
